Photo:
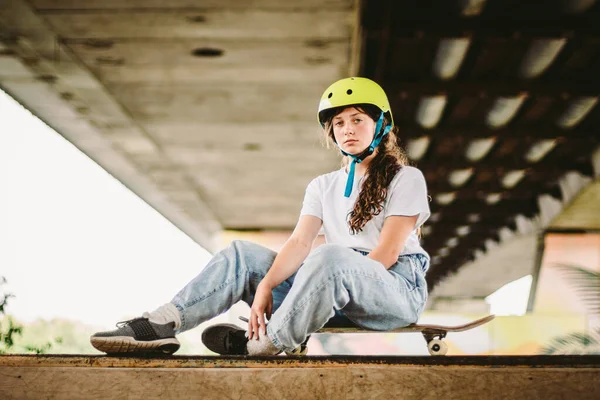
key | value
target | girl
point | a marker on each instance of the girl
(371, 272)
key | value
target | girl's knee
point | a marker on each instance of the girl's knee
(256, 258)
(325, 260)
(240, 246)
(329, 252)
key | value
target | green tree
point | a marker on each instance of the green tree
(10, 330)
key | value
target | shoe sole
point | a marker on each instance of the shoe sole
(126, 344)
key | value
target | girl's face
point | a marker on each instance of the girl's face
(353, 130)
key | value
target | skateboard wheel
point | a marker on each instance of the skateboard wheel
(437, 347)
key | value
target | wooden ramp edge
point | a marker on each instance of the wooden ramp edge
(316, 377)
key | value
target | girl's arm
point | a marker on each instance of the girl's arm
(294, 251)
(395, 231)
(289, 259)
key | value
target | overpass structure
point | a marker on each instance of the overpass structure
(206, 110)
(68, 377)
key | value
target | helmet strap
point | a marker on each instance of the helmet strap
(350, 180)
(357, 159)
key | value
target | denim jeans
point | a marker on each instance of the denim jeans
(333, 281)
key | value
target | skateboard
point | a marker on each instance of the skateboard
(433, 334)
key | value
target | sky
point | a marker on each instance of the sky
(74, 242)
(77, 244)
(512, 298)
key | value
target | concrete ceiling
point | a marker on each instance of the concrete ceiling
(212, 107)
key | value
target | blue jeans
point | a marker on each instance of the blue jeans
(333, 281)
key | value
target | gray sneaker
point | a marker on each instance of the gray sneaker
(137, 335)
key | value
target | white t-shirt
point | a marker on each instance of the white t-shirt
(407, 195)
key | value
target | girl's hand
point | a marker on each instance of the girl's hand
(262, 304)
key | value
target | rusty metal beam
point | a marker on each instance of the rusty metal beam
(487, 26)
(384, 44)
(444, 165)
(492, 87)
(467, 206)
(527, 188)
(482, 131)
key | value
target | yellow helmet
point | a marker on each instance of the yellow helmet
(355, 90)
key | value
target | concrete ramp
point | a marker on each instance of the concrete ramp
(98, 377)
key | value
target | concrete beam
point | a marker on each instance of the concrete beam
(348, 377)
(582, 213)
(188, 4)
(173, 61)
(221, 23)
(48, 80)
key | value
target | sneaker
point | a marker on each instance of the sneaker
(301, 350)
(225, 339)
(137, 335)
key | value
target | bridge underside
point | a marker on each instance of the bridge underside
(208, 112)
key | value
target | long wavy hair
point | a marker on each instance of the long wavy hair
(388, 160)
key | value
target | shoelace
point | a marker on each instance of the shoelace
(121, 324)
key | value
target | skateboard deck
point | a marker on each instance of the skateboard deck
(434, 329)
(433, 334)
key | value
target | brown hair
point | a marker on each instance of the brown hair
(388, 160)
